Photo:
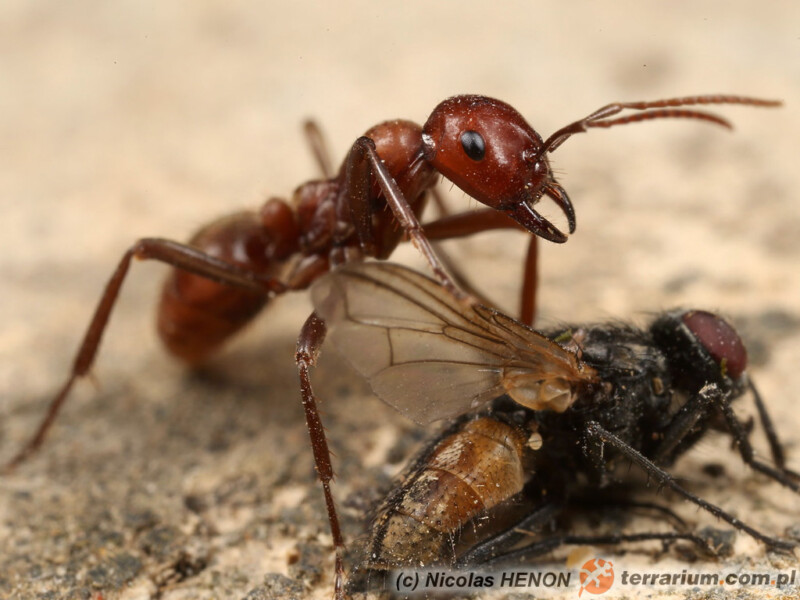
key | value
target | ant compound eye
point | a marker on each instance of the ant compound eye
(473, 145)
(719, 339)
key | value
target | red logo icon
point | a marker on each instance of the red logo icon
(597, 576)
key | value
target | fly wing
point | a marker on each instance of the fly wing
(423, 351)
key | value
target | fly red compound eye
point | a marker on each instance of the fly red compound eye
(720, 340)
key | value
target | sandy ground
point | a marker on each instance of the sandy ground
(145, 118)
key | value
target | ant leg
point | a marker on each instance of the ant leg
(312, 335)
(321, 154)
(596, 434)
(458, 275)
(319, 148)
(468, 223)
(173, 253)
(530, 283)
(460, 278)
(361, 165)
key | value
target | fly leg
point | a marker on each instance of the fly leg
(678, 434)
(775, 446)
(495, 549)
(782, 475)
(172, 253)
(710, 398)
(550, 544)
(592, 502)
(312, 335)
(597, 435)
(492, 548)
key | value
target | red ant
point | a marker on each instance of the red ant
(229, 270)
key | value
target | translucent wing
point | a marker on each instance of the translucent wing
(431, 356)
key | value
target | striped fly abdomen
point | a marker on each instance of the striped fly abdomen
(462, 476)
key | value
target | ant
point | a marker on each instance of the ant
(536, 419)
(229, 270)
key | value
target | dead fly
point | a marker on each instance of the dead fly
(547, 416)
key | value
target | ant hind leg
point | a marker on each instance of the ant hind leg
(172, 253)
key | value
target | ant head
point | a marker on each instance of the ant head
(702, 348)
(488, 150)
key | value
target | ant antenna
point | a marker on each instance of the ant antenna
(658, 109)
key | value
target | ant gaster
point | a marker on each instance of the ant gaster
(535, 419)
(228, 271)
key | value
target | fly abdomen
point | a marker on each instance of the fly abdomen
(466, 473)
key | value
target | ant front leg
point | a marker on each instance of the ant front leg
(172, 253)
(596, 436)
(489, 219)
(312, 335)
(361, 165)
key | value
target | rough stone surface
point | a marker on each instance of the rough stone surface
(122, 120)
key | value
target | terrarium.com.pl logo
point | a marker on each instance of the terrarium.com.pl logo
(595, 577)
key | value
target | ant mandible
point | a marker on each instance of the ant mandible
(228, 271)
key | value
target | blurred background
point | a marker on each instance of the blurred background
(130, 119)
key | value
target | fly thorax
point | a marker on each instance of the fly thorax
(531, 392)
